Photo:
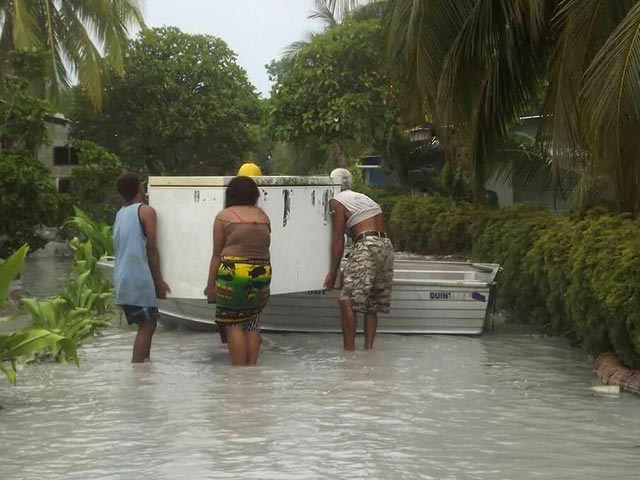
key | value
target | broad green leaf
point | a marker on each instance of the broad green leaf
(9, 270)
(9, 372)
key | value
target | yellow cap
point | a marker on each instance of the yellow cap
(249, 170)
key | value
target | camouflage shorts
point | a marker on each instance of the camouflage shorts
(368, 275)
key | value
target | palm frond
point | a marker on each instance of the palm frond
(611, 102)
(293, 49)
(341, 8)
(581, 28)
(492, 74)
(84, 56)
(112, 22)
(374, 10)
(325, 13)
(24, 24)
(421, 34)
(82, 34)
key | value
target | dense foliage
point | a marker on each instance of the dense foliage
(79, 312)
(25, 344)
(28, 198)
(572, 276)
(335, 95)
(439, 225)
(78, 39)
(94, 180)
(184, 106)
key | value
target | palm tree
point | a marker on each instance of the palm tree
(473, 65)
(333, 12)
(476, 65)
(81, 37)
(593, 100)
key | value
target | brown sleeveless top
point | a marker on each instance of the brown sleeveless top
(246, 239)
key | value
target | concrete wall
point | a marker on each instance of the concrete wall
(515, 192)
(58, 136)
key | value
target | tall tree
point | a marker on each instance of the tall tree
(183, 106)
(475, 65)
(335, 95)
(81, 38)
(592, 109)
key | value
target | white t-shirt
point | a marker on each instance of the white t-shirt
(359, 206)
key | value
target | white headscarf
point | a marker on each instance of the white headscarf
(342, 177)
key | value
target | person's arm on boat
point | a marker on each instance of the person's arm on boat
(338, 224)
(218, 245)
(149, 223)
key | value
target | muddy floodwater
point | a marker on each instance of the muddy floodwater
(503, 406)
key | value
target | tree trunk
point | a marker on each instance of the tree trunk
(338, 153)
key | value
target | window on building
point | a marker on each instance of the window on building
(65, 156)
(64, 185)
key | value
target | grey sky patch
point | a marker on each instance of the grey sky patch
(257, 30)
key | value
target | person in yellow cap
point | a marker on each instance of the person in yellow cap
(246, 170)
(249, 170)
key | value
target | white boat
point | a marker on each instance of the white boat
(429, 297)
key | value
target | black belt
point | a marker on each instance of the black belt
(371, 234)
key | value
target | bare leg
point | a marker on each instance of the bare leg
(348, 325)
(222, 331)
(253, 341)
(238, 345)
(370, 328)
(142, 343)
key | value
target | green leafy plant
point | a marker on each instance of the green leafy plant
(97, 233)
(94, 179)
(58, 316)
(335, 94)
(23, 345)
(26, 344)
(192, 112)
(9, 269)
(87, 287)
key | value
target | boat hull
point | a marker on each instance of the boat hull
(427, 298)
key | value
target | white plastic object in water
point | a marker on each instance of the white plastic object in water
(606, 389)
(298, 208)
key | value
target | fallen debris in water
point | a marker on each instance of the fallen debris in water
(607, 389)
(611, 372)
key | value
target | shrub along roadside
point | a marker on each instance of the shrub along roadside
(76, 314)
(572, 276)
(25, 344)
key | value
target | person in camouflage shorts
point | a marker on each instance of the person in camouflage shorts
(368, 271)
(368, 275)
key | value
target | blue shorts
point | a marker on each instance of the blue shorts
(139, 315)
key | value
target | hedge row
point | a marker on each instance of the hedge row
(573, 276)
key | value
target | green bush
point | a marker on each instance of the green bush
(604, 292)
(94, 180)
(56, 315)
(572, 276)
(434, 225)
(24, 345)
(548, 265)
(28, 200)
(505, 238)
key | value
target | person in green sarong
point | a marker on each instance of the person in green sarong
(240, 269)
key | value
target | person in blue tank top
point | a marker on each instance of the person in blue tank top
(137, 277)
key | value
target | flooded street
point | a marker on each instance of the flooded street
(503, 406)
